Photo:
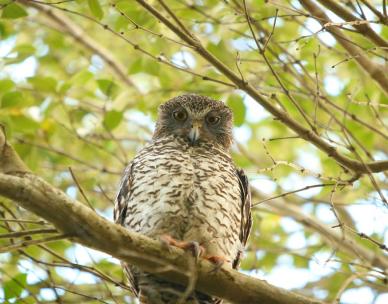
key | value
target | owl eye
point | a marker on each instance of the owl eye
(180, 115)
(212, 119)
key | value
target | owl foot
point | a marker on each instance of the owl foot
(166, 242)
(196, 249)
(217, 260)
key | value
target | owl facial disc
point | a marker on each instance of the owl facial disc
(197, 119)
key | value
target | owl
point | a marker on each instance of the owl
(184, 188)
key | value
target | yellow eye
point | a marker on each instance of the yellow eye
(180, 115)
(212, 119)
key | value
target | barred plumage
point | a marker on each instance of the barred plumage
(188, 189)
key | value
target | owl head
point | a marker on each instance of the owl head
(196, 119)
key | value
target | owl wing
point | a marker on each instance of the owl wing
(119, 215)
(123, 196)
(246, 216)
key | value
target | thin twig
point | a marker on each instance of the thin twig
(24, 244)
(27, 233)
(80, 189)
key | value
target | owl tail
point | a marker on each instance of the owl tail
(154, 290)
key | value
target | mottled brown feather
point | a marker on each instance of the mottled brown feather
(150, 177)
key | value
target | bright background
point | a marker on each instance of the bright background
(63, 105)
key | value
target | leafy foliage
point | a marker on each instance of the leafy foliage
(80, 83)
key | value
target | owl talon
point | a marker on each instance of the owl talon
(218, 262)
(166, 242)
(196, 249)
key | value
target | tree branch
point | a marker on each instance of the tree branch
(329, 235)
(374, 70)
(83, 38)
(84, 226)
(307, 134)
(363, 29)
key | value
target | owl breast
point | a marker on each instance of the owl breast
(191, 193)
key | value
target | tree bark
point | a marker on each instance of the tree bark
(82, 225)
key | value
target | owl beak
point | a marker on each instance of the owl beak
(194, 132)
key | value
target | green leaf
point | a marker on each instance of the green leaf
(249, 261)
(14, 287)
(108, 87)
(136, 67)
(151, 67)
(24, 49)
(220, 50)
(24, 124)
(95, 8)
(45, 84)
(268, 261)
(112, 119)
(6, 85)
(13, 11)
(3, 32)
(135, 13)
(236, 103)
(82, 77)
(64, 87)
(6, 121)
(300, 262)
(11, 99)
(78, 114)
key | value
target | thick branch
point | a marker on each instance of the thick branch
(303, 132)
(377, 72)
(86, 227)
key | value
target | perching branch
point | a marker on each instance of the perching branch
(82, 225)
